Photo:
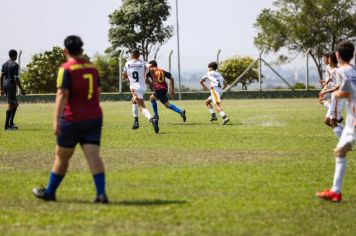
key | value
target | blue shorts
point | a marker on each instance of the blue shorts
(161, 95)
(83, 132)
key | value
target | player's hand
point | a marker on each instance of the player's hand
(56, 128)
(171, 94)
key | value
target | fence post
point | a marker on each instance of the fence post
(170, 61)
(307, 70)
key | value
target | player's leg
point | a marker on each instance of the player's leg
(345, 144)
(162, 96)
(324, 99)
(334, 115)
(96, 165)
(60, 167)
(12, 117)
(226, 119)
(134, 110)
(7, 119)
(154, 106)
(145, 111)
(211, 109)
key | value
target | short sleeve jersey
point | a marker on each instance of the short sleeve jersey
(136, 71)
(158, 77)
(347, 77)
(82, 80)
(10, 69)
(215, 78)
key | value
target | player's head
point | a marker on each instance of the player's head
(213, 66)
(13, 54)
(153, 63)
(326, 57)
(73, 45)
(333, 59)
(345, 51)
(135, 53)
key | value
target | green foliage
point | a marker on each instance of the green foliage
(302, 86)
(40, 74)
(108, 67)
(301, 25)
(232, 68)
(140, 24)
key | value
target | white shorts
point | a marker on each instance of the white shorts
(138, 91)
(335, 108)
(215, 95)
(348, 136)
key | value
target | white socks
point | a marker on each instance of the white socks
(326, 104)
(340, 169)
(135, 110)
(211, 110)
(147, 113)
(222, 113)
(338, 130)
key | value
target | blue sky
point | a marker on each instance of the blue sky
(205, 27)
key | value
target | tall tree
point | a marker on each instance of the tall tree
(299, 25)
(140, 24)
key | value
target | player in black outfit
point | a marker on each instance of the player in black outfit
(9, 80)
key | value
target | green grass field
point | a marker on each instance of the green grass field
(256, 176)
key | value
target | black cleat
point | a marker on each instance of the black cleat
(156, 117)
(155, 124)
(183, 116)
(213, 117)
(41, 194)
(101, 199)
(340, 120)
(226, 119)
(14, 127)
(7, 128)
(135, 125)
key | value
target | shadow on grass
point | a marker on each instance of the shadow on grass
(139, 202)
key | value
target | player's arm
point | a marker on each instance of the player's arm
(344, 90)
(149, 81)
(63, 85)
(18, 83)
(124, 73)
(202, 82)
(171, 83)
(2, 76)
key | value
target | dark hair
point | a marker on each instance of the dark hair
(12, 53)
(326, 54)
(213, 65)
(135, 51)
(153, 63)
(346, 50)
(74, 45)
(333, 58)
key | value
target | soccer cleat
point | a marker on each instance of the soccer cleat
(41, 194)
(183, 116)
(135, 125)
(101, 199)
(155, 124)
(7, 128)
(329, 195)
(156, 117)
(213, 117)
(340, 120)
(14, 127)
(226, 119)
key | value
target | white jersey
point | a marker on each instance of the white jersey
(347, 77)
(215, 78)
(330, 74)
(136, 71)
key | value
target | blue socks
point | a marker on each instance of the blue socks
(154, 106)
(174, 108)
(99, 180)
(53, 183)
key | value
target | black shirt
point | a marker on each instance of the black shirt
(11, 71)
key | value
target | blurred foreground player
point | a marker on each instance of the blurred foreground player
(78, 119)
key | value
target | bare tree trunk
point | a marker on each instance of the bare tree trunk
(318, 66)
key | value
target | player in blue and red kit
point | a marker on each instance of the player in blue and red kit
(78, 119)
(157, 77)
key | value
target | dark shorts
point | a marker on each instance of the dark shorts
(83, 132)
(10, 92)
(161, 95)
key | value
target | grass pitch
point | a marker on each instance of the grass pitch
(256, 176)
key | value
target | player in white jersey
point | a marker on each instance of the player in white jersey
(217, 84)
(333, 116)
(347, 140)
(324, 99)
(135, 71)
